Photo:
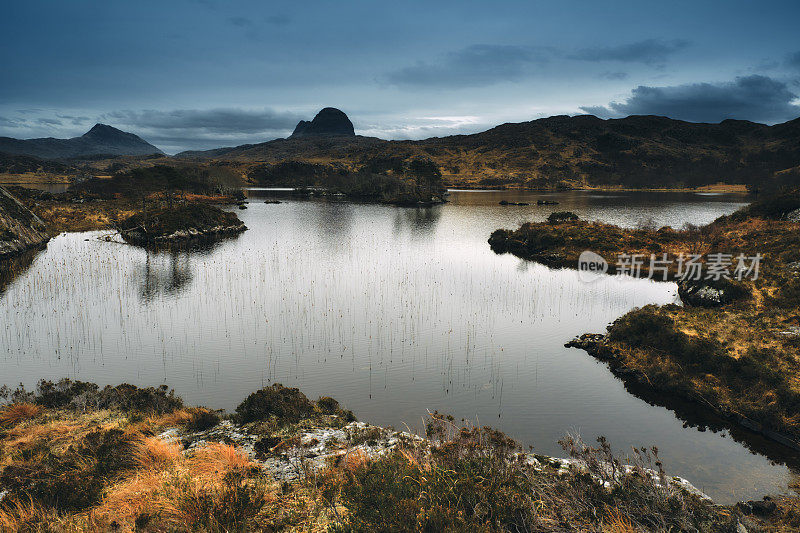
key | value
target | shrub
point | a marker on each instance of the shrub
(284, 403)
(328, 405)
(202, 419)
(82, 395)
(72, 481)
(562, 216)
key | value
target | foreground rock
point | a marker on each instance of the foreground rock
(20, 229)
(178, 224)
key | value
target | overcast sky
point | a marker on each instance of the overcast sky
(206, 73)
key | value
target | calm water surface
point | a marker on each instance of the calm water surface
(393, 311)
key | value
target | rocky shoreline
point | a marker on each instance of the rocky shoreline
(174, 224)
(293, 457)
(598, 346)
(139, 236)
(20, 229)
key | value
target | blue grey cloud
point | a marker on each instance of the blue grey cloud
(477, 65)
(179, 129)
(793, 61)
(756, 98)
(208, 120)
(648, 52)
(614, 75)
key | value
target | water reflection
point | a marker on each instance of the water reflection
(393, 311)
(13, 267)
(419, 220)
(159, 277)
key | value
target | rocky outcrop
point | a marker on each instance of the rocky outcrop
(20, 229)
(329, 121)
(180, 223)
(709, 293)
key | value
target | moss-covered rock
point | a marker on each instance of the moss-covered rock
(180, 223)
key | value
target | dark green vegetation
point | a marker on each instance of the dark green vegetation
(144, 181)
(562, 151)
(478, 479)
(280, 404)
(102, 203)
(390, 181)
(82, 395)
(21, 164)
(178, 222)
(75, 457)
(733, 349)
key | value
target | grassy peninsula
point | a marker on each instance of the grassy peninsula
(734, 352)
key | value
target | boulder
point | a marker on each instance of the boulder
(709, 293)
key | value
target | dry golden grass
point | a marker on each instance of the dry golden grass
(179, 417)
(154, 454)
(14, 414)
(29, 516)
(167, 483)
(616, 522)
(217, 459)
(129, 499)
(356, 459)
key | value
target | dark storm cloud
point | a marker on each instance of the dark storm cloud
(649, 52)
(756, 98)
(477, 65)
(208, 121)
(198, 129)
(49, 121)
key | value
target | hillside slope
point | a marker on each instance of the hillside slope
(637, 151)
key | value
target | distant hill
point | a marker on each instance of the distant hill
(20, 164)
(637, 151)
(101, 139)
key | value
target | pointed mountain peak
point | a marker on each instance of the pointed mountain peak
(104, 130)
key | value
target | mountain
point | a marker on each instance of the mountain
(329, 121)
(637, 151)
(101, 139)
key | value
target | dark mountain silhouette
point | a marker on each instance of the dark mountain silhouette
(637, 151)
(329, 121)
(101, 139)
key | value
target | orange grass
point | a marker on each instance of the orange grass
(14, 414)
(154, 454)
(616, 522)
(217, 459)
